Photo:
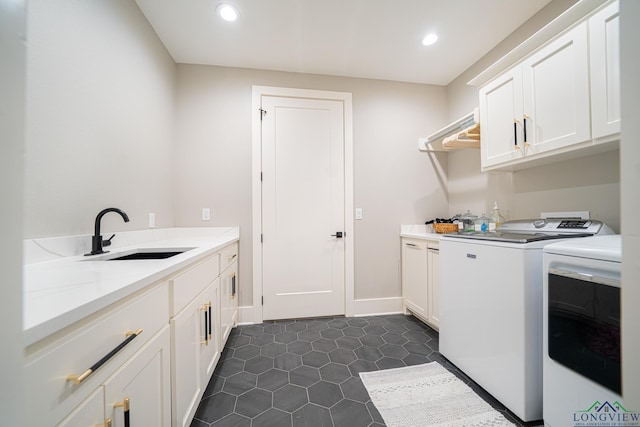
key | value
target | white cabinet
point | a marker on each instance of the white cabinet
(561, 101)
(433, 294)
(228, 291)
(604, 44)
(555, 84)
(195, 342)
(420, 279)
(147, 358)
(89, 413)
(539, 106)
(500, 106)
(75, 377)
(141, 389)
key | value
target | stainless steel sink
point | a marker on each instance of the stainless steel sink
(140, 254)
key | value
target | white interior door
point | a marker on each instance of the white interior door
(303, 208)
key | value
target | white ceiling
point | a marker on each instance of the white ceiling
(378, 39)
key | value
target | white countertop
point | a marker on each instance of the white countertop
(64, 289)
(419, 231)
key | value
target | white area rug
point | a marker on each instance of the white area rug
(428, 395)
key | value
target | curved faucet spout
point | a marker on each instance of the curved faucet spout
(96, 240)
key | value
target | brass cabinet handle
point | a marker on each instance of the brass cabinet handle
(126, 406)
(107, 423)
(230, 257)
(206, 309)
(515, 134)
(78, 378)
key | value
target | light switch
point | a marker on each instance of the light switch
(152, 220)
(206, 214)
(358, 213)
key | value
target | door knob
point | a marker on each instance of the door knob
(338, 235)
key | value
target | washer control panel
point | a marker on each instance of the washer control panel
(581, 224)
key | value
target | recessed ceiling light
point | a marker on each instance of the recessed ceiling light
(227, 12)
(430, 39)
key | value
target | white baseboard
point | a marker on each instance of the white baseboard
(378, 306)
(248, 315)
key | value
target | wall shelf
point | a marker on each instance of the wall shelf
(433, 143)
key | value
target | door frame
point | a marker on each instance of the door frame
(256, 153)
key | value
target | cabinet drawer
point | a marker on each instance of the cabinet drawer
(228, 255)
(187, 285)
(51, 396)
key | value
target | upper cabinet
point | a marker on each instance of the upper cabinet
(557, 100)
(604, 43)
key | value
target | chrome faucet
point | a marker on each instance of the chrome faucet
(96, 240)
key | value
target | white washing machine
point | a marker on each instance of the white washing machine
(491, 305)
(581, 333)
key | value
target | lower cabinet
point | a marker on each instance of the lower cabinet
(78, 377)
(137, 394)
(194, 352)
(228, 301)
(420, 279)
(144, 361)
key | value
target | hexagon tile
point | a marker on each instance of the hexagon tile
(304, 373)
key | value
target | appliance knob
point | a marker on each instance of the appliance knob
(539, 223)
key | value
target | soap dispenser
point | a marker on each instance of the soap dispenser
(496, 217)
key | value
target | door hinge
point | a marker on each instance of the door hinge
(262, 300)
(261, 176)
(261, 238)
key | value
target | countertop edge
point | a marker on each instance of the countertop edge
(50, 326)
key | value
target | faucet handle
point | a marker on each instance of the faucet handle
(108, 241)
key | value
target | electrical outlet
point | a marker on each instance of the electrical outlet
(206, 214)
(152, 220)
(358, 213)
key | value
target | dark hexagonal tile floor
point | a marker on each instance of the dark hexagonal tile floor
(305, 372)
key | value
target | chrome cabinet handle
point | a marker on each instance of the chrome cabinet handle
(126, 406)
(78, 378)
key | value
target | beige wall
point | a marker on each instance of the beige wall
(393, 182)
(100, 112)
(589, 183)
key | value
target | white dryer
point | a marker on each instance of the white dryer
(581, 333)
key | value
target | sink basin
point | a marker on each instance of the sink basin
(140, 254)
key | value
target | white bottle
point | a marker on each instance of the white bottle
(496, 217)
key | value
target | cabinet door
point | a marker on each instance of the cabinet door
(188, 339)
(556, 93)
(145, 381)
(210, 351)
(414, 277)
(229, 301)
(89, 413)
(434, 285)
(604, 45)
(500, 113)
